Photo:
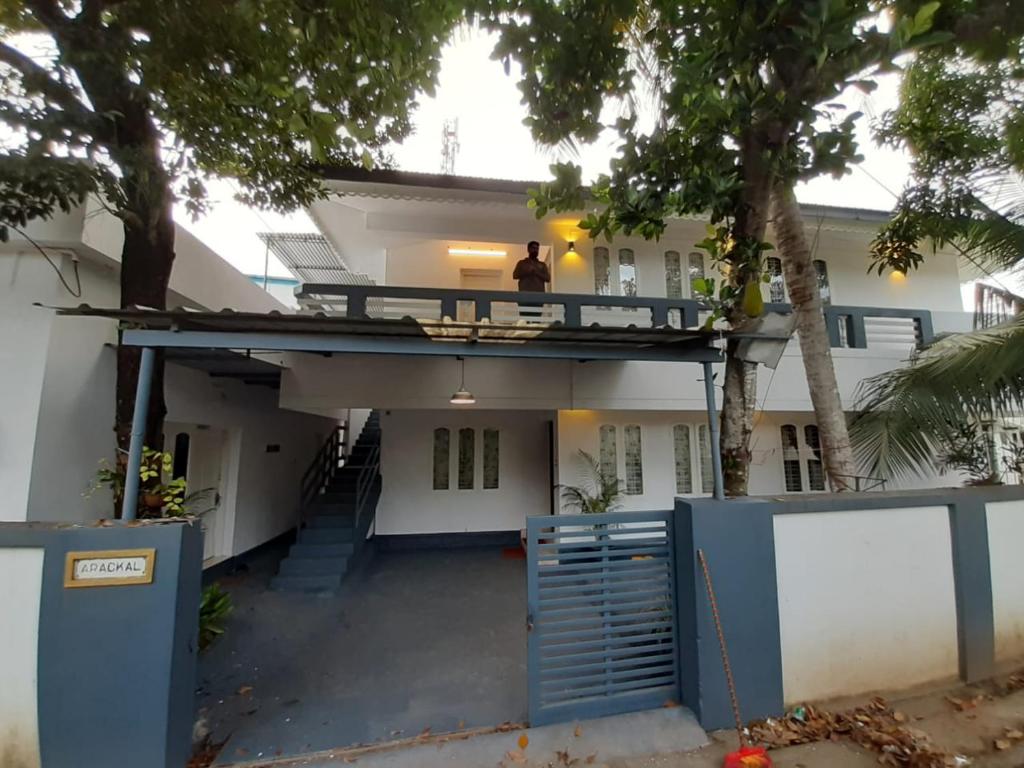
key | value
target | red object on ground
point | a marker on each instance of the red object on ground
(748, 757)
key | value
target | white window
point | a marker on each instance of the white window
(707, 472)
(608, 457)
(442, 452)
(791, 459)
(491, 459)
(673, 275)
(467, 464)
(824, 290)
(634, 459)
(777, 286)
(602, 272)
(615, 276)
(815, 468)
(694, 268)
(627, 272)
(683, 457)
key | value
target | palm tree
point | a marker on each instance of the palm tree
(909, 416)
(600, 492)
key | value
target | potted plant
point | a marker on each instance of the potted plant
(599, 492)
(156, 497)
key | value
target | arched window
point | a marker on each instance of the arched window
(602, 272)
(684, 461)
(707, 471)
(442, 453)
(815, 468)
(467, 465)
(777, 286)
(608, 458)
(694, 268)
(627, 272)
(491, 466)
(673, 275)
(791, 459)
(634, 459)
(824, 290)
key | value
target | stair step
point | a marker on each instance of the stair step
(329, 509)
(316, 583)
(318, 536)
(330, 522)
(341, 549)
(313, 566)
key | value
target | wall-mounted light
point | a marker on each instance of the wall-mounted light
(462, 396)
(492, 253)
(572, 247)
(897, 276)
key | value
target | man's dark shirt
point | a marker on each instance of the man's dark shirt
(532, 274)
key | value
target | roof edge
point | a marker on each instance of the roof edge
(417, 179)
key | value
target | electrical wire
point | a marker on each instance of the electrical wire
(74, 261)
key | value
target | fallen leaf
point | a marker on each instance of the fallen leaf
(244, 690)
(524, 741)
(591, 759)
(899, 717)
(1001, 744)
(424, 733)
(1014, 733)
(578, 732)
(461, 725)
(516, 756)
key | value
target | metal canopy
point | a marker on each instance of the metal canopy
(320, 333)
(307, 255)
(227, 364)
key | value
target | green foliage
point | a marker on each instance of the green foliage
(261, 92)
(155, 466)
(214, 608)
(961, 116)
(905, 416)
(599, 493)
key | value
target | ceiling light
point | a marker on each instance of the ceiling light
(462, 396)
(488, 252)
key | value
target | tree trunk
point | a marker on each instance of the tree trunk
(739, 389)
(802, 284)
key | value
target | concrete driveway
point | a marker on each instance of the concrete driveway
(416, 640)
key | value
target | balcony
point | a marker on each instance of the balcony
(848, 326)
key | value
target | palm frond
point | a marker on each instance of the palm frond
(996, 239)
(905, 414)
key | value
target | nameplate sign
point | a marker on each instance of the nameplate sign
(109, 568)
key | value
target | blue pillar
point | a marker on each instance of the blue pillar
(715, 447)
(738, 539)
(131, 479)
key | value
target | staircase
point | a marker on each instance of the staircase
(339, 501)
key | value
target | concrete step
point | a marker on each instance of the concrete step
(330, 508)
(313, 566)
(331, 521)
(318, 536)
(340, 549)
(317, 583)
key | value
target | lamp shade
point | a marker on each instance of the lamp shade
(462, 397)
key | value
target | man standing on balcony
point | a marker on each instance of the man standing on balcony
(531, 272)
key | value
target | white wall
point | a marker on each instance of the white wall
(1005, 534)
(262, 488)
(866, 601)
(19, 607)
(395, 381)
(409, 504)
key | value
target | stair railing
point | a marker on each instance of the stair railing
(366, 486)
(329, 459)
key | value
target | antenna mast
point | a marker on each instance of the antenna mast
(449, 145)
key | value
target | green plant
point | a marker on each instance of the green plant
(599, 493)
(155, 465)
(214, 607)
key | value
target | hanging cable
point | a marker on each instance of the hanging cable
(74, 261)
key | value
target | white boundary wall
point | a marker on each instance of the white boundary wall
(1005, 537)
(866, 600)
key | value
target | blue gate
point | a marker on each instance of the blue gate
(602, 615)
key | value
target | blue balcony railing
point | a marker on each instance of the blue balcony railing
(848, 326)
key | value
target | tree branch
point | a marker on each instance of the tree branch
(60, 93)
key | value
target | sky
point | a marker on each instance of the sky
(495, 143)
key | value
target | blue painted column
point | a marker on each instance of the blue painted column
(738, 539)
(130, 502)
(972, 580)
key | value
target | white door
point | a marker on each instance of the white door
(205, 461)
(477, 280)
